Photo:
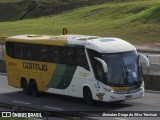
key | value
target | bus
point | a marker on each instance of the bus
(90, 67)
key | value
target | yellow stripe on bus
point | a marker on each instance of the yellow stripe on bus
(16, 69)
(57, 42)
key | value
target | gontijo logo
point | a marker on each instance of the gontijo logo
(34, 66)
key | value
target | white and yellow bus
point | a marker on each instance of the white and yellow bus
(89, 67)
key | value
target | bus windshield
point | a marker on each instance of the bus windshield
(122, 68)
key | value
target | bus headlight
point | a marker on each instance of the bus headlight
(141, 88)
(110, 90)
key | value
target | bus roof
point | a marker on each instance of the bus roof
(100, 44)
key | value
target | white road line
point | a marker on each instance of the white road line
(37, 119)
(88, 114)
(53, 107)
(120, 119)
(154, 63)
(21, 102)
(152, 91)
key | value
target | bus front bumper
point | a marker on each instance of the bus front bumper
(120, 96)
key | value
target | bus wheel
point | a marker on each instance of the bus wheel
(34, 88)
(25, 86)
(88, 96)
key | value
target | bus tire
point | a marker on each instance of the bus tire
(34, 88)
(88, 96)
(25, 87)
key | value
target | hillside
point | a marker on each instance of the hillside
(137, 21)
(21, 9)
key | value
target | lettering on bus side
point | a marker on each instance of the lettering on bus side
(13, 64)
(34, 66)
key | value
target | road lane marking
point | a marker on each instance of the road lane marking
(53, 107)
(88, 114)
(21, 102)
(120, 119)
(153, 91)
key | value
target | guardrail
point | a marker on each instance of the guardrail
(154, 68)
(2, 66)
(152, 74)
(154, 59)
(2, 56)
(152, 82)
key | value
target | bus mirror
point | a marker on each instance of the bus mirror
(105, 68)
(145, 59)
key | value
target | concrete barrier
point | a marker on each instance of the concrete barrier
(2, 66)
(152, 82)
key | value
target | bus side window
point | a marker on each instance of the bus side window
(42, 53)
(99, 73)
(81, 58)
(30, 52)
(54, 54)
(67, 55)
(19, 51)
(63, 55)
(10, 49)
(97, 67)
(71, 56)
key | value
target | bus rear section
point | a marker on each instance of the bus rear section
(40, 64)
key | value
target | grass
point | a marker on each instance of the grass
(22, 9)
(12, 9)
(135, 21)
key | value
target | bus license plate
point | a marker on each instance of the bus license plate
(128, 97)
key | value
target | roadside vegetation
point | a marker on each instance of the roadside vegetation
(136, 21)
(12, 10)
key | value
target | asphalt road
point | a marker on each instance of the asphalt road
(51, 102)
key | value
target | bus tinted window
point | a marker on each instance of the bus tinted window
(71, 56)
(41, 53)
(67, 55)
(53, 54)
(47, 53)
(29, 52)
(97, 67)
(19, 51)
(10, 49)
(81, 58)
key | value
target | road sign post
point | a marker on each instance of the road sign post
(65, 31)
